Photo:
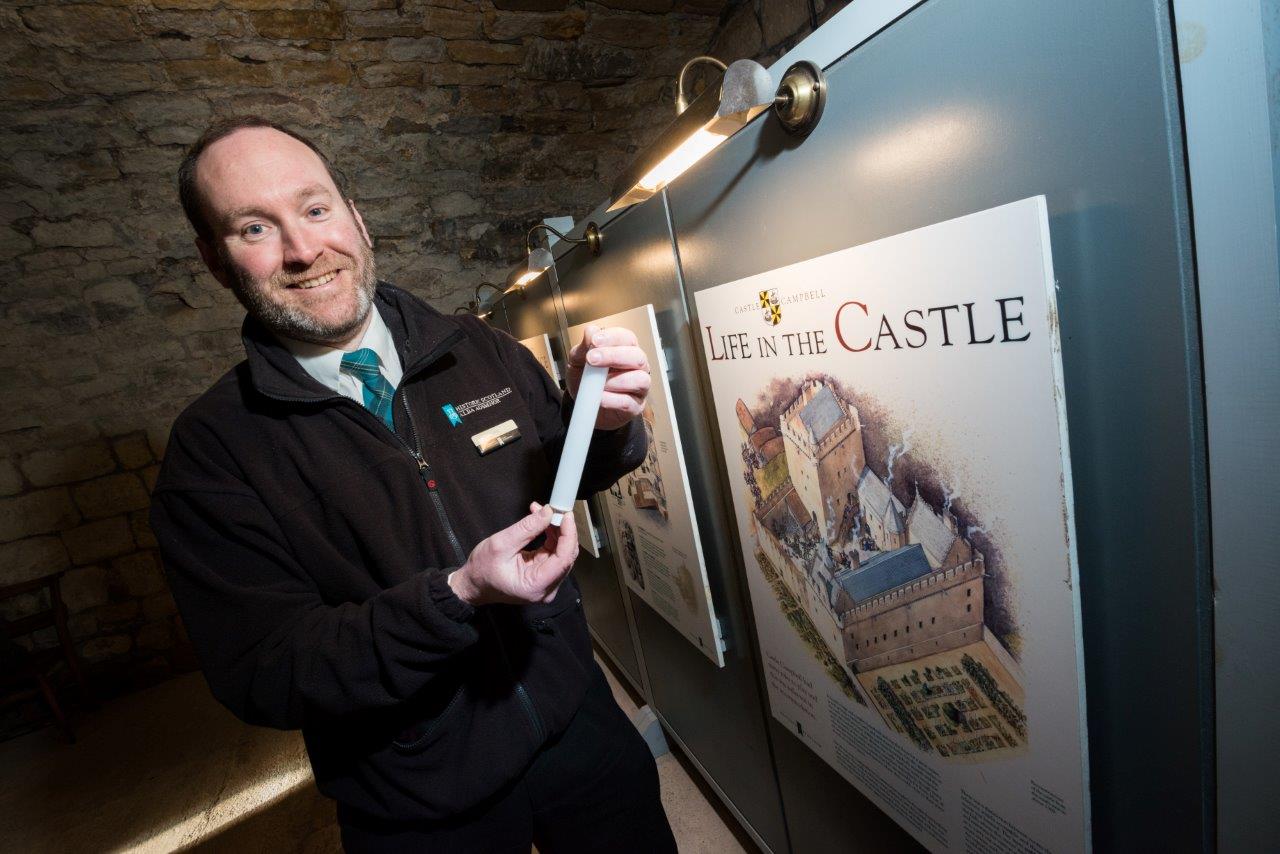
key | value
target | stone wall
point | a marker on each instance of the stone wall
(458, 123)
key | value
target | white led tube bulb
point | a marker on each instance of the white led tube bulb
(574, 456)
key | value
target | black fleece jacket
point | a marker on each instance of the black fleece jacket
(307, 546)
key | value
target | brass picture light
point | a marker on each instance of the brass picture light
(745, 91)
(540, 259)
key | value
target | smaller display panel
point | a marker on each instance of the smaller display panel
(540, 347)
(651, 509)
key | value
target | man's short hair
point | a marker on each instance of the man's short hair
(189, 194)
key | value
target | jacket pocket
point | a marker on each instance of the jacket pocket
(418, 735)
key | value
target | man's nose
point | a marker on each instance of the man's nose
(300, 248)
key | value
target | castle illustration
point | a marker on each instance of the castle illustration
(893, 591)
(644, 484)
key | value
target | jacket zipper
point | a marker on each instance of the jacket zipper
(428, 480)
(424, 471)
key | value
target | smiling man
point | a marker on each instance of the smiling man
(345, 560)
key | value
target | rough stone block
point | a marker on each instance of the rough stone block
(108, 78)
(701, 7)
(580, 62)
(158, 438)
(382, 24)
(67, 465)
(31, 558)
(193, 4)
(96, 541)
(13, 244)
(452, 23)
(150, 159)
(258, 5)
(455, 204)
(149, 476)
(133, 451)
(139, 573)
(76, 232)
(365, 50)
(84, 588)
(41, 512)
(562, 26)
(82, 626)
(80, 24)
(294, 73)
(105, 647)
(530, 5)
(391, 74)
(741, 37)
(485, 53)
(426, 49)
(652, 6)
(140, 524)
(218, 73)
(111, 495)
(10, 478)
(118, 613)
(781, 19)
(633, 31)
(154, 637)
(154, 110)
(297, 24)
(25, 89)
(159, 606)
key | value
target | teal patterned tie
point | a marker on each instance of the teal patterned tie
(378, 393)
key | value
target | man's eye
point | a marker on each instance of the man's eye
(316, 211)
(257, 229)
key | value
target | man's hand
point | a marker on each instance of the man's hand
(500, 569)
(627, 387)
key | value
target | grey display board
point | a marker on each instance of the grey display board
(537, 312)
(963, 106)
(716, 714)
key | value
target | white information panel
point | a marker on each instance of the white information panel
(652, 511)
(896, 437)
(540, 347)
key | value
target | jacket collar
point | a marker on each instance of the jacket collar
(421, 335)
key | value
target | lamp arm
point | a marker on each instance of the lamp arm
(528, 238)
(682, 102)
(486, 285)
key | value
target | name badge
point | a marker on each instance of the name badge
(495, 437)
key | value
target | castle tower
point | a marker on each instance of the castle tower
(822, 436)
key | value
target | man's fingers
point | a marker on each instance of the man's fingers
(578, 355)
(629, 382)
(614, 336)
(623, 358)
(567, 544)
(613, 402)
(513, 539)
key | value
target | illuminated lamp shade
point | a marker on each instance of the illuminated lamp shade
(745, 92)
(540, 260)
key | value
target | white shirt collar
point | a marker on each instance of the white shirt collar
(324, 363)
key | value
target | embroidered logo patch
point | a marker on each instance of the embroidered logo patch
(452, 414)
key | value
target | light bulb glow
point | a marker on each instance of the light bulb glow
(689, 152)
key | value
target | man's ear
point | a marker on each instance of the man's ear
(364, 232)
(211, 260)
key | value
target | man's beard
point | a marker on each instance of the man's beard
(293, 322)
